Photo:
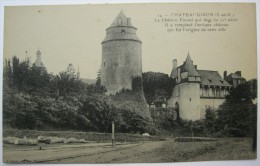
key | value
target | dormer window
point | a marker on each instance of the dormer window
(119, 21)
(221, 81)
(210, 80)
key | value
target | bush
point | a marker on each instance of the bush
(164, 117)
(25, 120)
(235, 132)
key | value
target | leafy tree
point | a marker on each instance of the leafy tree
(164, 117)
(36, 99)
(20, 75)
(7, 74)
(210, 120)
(98, 112)
(38, 80)
(157, 87)
(237, 111)
(98, 80)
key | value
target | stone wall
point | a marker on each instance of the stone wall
(209, 103)
(121, 62)
(189, 105)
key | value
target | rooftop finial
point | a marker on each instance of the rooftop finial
(188, 57)
(38, 52)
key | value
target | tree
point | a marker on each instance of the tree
(210, 120)
(98, 80)
(67, 82)
(20, 75)
(237, 111)
(157, 87)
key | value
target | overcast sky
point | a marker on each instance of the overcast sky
(73, 34)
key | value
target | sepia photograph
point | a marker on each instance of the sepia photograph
(129, 83)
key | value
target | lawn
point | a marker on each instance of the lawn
(222, 149)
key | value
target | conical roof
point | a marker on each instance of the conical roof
(121, 20)
(121, 29)
(189, 67)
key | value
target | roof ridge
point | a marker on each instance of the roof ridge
(208, 70)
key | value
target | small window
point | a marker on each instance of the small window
(119, 21)
(122, 32)
(104, 63)
(210, 80)
(221, 81)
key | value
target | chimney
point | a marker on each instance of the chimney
(174, 64)
(225, 75)
(128, 21)
(238, 73)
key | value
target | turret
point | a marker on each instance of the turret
(38, 62)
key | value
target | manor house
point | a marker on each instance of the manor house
(197, 90)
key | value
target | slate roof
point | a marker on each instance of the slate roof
(187, 66)
(114, 31)
(123, 19)
(212, 78)
(208, 77)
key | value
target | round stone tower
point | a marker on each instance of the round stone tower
(121, 55)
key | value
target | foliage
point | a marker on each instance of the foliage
(88, 136)
(35, 99)
(137, 84)
(133, 113)
(164, 117)
(134, 101)
(157, 87)
(237, 112)
(210, 120)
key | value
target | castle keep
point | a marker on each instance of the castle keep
(121, 55)
(197, 90)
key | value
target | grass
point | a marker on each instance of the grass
(223, 149)
(231, 149)
(88, 136)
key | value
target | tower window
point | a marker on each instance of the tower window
(104, 63)
(122, 32)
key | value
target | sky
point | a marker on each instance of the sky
(73, 34)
